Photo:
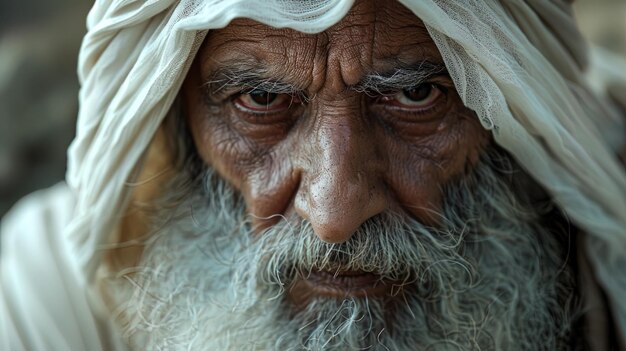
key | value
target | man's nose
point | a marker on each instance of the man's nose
(342, 184)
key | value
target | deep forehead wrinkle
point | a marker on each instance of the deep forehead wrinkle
(365, 42)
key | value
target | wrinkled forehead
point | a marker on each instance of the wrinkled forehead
(372, 36)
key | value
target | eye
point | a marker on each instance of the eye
(421, 97)
(418, 98)
(261, 101)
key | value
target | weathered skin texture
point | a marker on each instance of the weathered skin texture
(331, 154)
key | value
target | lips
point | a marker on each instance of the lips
(340, 284)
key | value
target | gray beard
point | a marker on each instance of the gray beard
(490, 278)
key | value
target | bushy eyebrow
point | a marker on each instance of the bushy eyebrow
(246, 77)
(401, 77)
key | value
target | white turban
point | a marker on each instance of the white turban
(520, 64)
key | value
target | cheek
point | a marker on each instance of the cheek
(216, 143)
(262, 175)
(219, 146)
(270, 187)
(420, 170)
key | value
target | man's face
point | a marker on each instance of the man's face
(335, 127)
(375, 213)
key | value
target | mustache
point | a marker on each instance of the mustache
(392, 246)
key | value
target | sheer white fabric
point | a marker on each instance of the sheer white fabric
(518, 63)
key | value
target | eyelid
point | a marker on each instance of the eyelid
(236, 101)
(443, 80)
(249, 89)
(436, 93)
(399, 113)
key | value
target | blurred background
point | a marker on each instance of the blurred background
(39, 42)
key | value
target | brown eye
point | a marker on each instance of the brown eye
(419, 93)
(262, 98)
(420, 97)
(261, 101)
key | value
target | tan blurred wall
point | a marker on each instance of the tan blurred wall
(603, 22)
(39, 41)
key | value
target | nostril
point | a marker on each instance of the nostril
(301, 204)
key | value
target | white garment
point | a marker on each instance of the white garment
(518, 63)
(42, 303)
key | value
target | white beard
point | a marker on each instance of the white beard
(490, 279)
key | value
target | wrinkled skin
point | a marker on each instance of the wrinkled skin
(330, 153)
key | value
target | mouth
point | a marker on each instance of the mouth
(339, 285)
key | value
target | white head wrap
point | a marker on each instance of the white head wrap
(519, 64)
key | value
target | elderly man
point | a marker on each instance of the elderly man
(329, 175)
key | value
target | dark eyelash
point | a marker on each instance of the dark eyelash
(293, 94)
(391, 92)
